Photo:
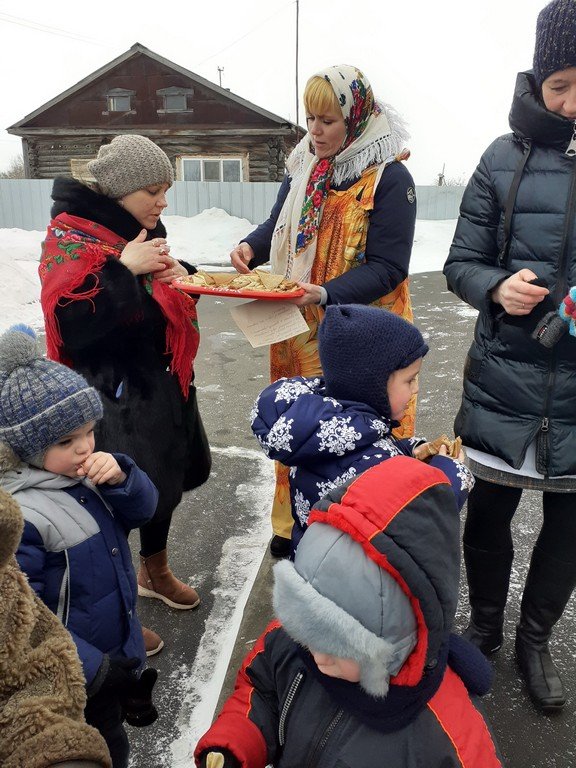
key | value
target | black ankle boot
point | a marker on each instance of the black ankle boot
(540, 675)
(488, 575)
(549, 584)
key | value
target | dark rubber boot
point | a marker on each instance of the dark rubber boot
(549, 584)
(488, 575)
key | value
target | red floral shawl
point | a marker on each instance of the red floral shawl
(76, 248)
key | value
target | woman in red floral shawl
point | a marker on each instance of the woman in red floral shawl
(111, 313)
(342, 226)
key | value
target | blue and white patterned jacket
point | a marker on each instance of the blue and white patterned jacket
(326, 442)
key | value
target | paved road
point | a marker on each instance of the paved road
(208, 544)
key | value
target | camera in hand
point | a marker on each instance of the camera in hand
(544, 324)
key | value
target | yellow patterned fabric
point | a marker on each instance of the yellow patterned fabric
(341, 243)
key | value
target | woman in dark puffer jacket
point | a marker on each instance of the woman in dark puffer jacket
(517, 224)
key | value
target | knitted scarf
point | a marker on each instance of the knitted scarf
(375, 135)
(404, 703)
(74, 251)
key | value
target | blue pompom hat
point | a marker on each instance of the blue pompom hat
(360, 347)
(40, 400)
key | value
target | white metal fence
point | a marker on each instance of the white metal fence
(25, 203)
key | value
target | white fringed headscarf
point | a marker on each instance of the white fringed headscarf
(376, 135)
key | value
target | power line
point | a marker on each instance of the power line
(257, 26)
(19, 21)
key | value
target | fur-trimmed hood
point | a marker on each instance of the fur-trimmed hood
(380, 583)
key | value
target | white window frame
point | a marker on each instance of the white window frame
(214, 158)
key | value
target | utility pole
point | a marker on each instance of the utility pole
(220, 70)
(441, 177)
(297, 98)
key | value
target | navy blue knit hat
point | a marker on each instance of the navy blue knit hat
(40, 400)
(555, 48)
(360, 347)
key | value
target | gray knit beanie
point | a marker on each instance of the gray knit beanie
(334, 599)
(130, 163)
(555, 48)
(40, 400)
(360, 347)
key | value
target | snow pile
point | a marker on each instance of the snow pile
(204, 240)
(19, 282)
(207, 238)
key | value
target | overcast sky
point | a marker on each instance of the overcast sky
(448, 66)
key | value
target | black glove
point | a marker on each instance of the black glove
(114, 674)
(210, 759)
(137, 699)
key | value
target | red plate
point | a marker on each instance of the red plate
(237, 294)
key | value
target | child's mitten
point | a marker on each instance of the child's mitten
(567, 310)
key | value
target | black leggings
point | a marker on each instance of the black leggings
(154, 536)
(491, 508)
(104, 712)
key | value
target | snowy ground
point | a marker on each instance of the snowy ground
(206, 240)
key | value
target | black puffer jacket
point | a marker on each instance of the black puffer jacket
(515, 389)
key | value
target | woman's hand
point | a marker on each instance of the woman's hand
(516, 295)
(172, 270)
(241, 256)
(141, 256)
(312, 295)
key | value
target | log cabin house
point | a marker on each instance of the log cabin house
(209, 133)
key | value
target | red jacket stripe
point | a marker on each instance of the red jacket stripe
(235, 731)
(463, 724)
(403, 485)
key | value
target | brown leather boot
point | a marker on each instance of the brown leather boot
(155, 579)
(152, 641)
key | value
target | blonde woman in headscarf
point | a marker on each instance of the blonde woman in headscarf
(342, 227)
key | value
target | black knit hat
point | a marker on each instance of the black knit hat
(360, 347)
(555, 48)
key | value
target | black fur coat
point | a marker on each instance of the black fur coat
(117, 340)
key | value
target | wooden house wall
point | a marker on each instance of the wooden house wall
(146, 76)
(47, 157)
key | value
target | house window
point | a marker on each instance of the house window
(118, 103)
(174, 99)
(119, 100)
(176, 103)
(211, 168)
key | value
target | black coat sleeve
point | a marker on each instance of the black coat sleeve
(118, 301)
(472, 269)
(261, 239)
(388, 244)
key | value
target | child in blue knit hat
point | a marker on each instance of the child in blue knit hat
(330, 429)
(78, 505)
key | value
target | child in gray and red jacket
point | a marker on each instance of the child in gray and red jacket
(362, 667)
